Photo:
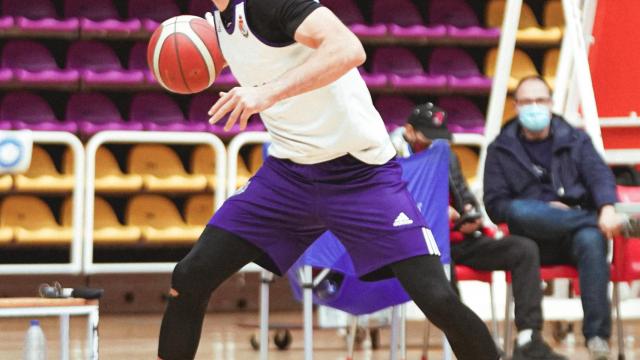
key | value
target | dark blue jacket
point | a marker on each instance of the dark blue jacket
(578, 173)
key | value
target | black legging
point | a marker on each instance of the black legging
(219, 254)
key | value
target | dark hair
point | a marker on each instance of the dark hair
(531, 77)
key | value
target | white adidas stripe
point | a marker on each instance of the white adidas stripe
(432, 246)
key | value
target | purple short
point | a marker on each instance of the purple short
(286, 206)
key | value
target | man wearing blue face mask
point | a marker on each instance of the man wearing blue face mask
(545, 179)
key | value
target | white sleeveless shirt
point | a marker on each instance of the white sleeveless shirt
(313, 127)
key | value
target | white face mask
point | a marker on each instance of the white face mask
(534, 117)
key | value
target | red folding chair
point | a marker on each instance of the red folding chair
(625, 266)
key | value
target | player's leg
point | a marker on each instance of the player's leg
(423, 278)
(216, 256)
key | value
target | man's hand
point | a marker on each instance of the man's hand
(241, 103)
(609, 221)
(559, 205)
(470, 227)
(453, 214)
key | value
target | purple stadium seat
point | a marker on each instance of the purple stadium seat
(403, 20)
(38, 16)
(33, 64)
(157, 112)
(26, 110)
(6, 76)
(460, 19)
(200, 105)
(395, 110)
(138, 61)
(372, 80)
(99, 65)
(200, 7)
(100, 18)
(6, 23)
(226, 78)
(404, 70)
(462, 114)
(94, 112)
(152, 12)
(461, 71)
(350, 14)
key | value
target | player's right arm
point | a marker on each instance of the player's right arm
(337, 50)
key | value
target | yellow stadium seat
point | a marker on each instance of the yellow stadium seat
(243, 173)
(529, 30)
(6, 232)
(106, 227)
(550, 66)
(42, 175)
(203, 162)
(32, 221)
(159, 220)
(6, 182)
(199, 209)
(521, 67)
(510, 110)
(109, 177)
(553, 14)
(256, 159)
(162, 170)
(468, 162)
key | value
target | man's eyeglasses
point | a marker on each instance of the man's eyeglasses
(538, 101)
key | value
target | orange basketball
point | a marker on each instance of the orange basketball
(183, 54)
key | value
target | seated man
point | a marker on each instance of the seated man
(470, 247)
(545, 179)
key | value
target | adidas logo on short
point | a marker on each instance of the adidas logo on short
(402, 220)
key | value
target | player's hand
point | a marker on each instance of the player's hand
(609, 222)
(240, 103)
(470, 227)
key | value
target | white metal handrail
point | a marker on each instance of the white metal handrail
(136, 137)
(74, 266)
(233, 149)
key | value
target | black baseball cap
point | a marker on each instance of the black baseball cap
(430, 120)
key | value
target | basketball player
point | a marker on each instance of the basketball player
(330, 167)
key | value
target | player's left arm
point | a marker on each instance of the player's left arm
(337, 50)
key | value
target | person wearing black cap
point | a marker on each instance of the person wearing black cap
(470, 246)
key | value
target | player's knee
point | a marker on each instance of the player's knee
(185, 277)
(441, 300)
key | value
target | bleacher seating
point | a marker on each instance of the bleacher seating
(162, 170)
(394, 109)
(99, 65)
(403, 20)
(521, 67)
(404, 70)
(109, 176)
(100, 18)
(26, 110)
(94, 112)
(42, 175)
(107, 229)
(203, 162)
(460, 20)
(152, 12)
(32, 64)
(550, 66)
(529, 30)
(463, 116)
(198, 209)
(468, 162)
(159, 220)
(460, 69)
(32, 221)
(37, 17)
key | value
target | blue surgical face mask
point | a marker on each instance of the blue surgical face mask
(534, 117)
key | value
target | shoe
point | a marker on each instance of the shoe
(536, 349)
(598, 348)
(631, 227)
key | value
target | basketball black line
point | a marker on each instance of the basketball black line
(175, 41)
